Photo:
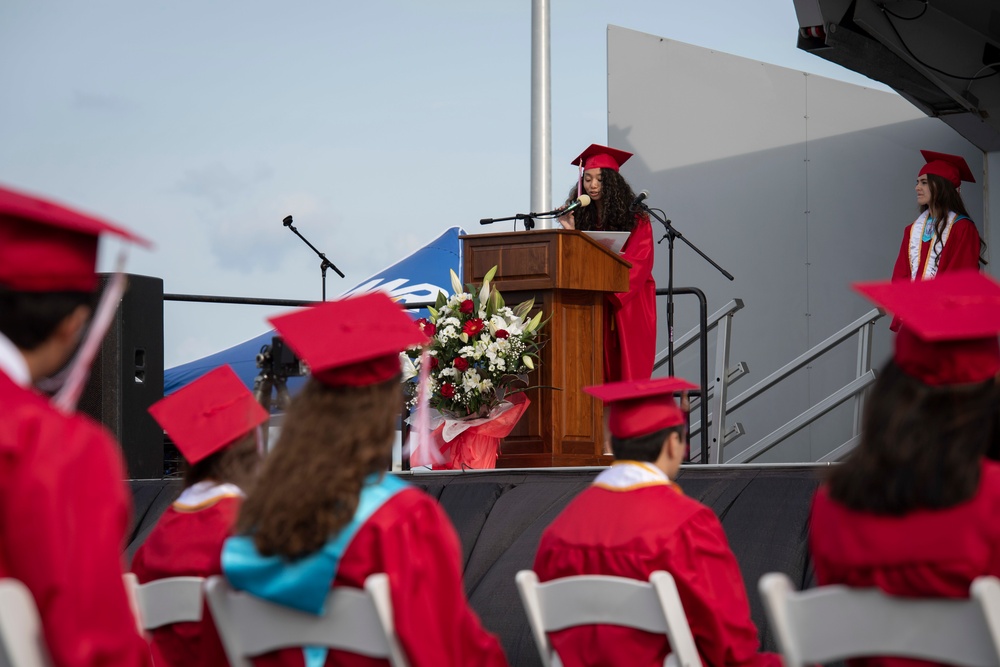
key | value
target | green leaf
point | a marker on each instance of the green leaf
(522, 309)
(489, 274)
(533, 324)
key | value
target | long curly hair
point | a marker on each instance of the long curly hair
(944, 198)
(308, 489)
(610, 212)
(921, 446)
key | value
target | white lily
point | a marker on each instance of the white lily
(456, 284)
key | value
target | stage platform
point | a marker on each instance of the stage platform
(500, 516)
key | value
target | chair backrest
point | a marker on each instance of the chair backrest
(653, 606)
(22, 643)
(249, 626)
(832, 623)
(166, 601)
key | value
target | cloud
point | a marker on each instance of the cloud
(221, 186)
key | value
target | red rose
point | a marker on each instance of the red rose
(433, 363)
(472, 327)
(448, 390)
(461, 364)
(502, 333)
(426, 326)
(467, 306)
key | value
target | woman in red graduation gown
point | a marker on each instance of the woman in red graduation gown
(213, 422)
(325, 514)
(630, 316)
(943, 237)
(915, 509)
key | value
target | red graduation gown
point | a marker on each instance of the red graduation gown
(632, 533)
(187, 542)
(932, 553)
(960, 252)
(411, 539)
(64, 511)
(630, 317)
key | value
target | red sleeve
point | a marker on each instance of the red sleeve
(65, 512)
(435, 624)
(962, 249)
(638, 252)
(901, 270)
(711, 589)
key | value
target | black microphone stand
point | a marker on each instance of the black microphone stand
(670, 235)
(528, 218)
(325, 264)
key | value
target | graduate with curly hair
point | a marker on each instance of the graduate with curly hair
(324, 513)
(630, 316)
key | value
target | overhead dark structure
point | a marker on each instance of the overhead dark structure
(944, 56)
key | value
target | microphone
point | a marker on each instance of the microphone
(579, 202)
(639, 198)
(287, 221)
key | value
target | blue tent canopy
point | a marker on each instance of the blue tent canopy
(416, 278)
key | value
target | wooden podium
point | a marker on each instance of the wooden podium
(568, 274)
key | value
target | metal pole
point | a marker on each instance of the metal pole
(541, 113)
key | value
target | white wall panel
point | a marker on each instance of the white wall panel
(797, 184)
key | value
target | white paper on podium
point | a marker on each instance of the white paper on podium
(613, 241)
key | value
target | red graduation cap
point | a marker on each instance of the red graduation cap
(601, 157)
(641, 407)
(208, 414)
(352, 342)
(951, 167)
(46, 247)
(949, 326)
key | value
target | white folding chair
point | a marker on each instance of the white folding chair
(830, 623)
(358, 621)
(653, 606)
(166, 601)
(22, 643)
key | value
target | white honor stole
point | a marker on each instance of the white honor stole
(933, 252)
(629, 475)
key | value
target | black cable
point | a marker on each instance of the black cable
(902, 43)
(906, 18)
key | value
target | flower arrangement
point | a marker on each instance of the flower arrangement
(481, 350)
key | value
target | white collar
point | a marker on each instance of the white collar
(13, 363)
(628, 475)
(203, 493)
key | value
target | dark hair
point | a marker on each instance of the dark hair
(616, 197)
(235, 464)
(921, 446)
(644, 447)
(28, 319)
(944, 197)
(308, 488)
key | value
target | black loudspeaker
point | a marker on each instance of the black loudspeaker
(127, 376)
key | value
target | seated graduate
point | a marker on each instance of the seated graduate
(213, 421)
(915, 508)
(64, 506)
(633, 521)
(324, 513)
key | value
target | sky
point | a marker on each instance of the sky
(377, 125)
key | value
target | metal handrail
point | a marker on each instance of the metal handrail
(809, 416)
(701, 333)
(862, 327)
(810, 355)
